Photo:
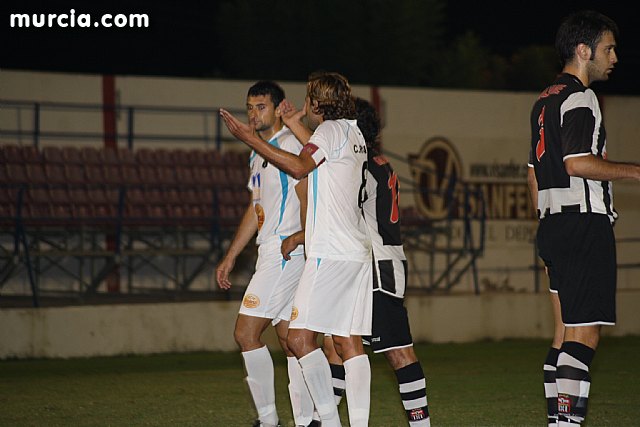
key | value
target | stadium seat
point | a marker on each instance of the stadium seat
(109, 156)
(35, 173)
(74, 174)
(148, 174)
(78, 195)
(213, 158)
(180, 157)
(94, 173)
(16, 173)
(126, 157)
(135, 196)
(146, 156)
(130, 176)
(52, 154)
(11, 153)
(184, 176)
(164, 157)
(90, 156)
(166, 175)
(218, 177)
(112, 175)
(117, 156)
(54, 173)
(31, 154)
(59, 195)
(236, 158)
(39, 195)
(236, 176)
(72, 155)
(197, 157)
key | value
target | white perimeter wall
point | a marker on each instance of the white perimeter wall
(208, 326)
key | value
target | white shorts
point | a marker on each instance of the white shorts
(272, 288)
(334, 297)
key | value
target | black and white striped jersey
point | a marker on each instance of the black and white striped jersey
(382, 215)
(566, 122)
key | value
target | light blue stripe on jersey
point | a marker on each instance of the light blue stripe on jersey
(346, 139)
(284, 261)
(284, 185)
(315, 194)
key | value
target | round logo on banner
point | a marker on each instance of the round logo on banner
(436, 170)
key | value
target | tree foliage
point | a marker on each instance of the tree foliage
(376, 42)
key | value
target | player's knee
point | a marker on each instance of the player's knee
(246, 339)
(295, 344)
(285, 346)
(401, 357)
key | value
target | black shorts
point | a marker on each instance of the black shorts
(390, 328)
(579, 251)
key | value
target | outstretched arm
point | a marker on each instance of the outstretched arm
(293, 119)
(247, 228)
(296, 166)
(592, 167)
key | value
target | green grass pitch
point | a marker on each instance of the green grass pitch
(476, 384)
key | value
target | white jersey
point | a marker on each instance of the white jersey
(273, 192)
(335, 227)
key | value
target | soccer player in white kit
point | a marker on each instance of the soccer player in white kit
(335, 291)
(274, 212)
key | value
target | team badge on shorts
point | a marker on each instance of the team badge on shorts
(564, 404)
(294, 313)
(251, 301)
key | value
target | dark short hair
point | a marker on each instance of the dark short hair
(332, 93)
(368, 122)
(583, 27)
(267, 87)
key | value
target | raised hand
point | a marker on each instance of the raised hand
(240, 130)
(290, 113)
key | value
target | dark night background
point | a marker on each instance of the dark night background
(496, 45)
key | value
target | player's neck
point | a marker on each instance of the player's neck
(579, 71)
(266, 135)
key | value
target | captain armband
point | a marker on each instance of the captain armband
(311, 149)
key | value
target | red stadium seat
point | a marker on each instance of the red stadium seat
(35, 174)
(164, 157)
(146, 156)
(130, 176)
(74, 174)
(90, 155)
(180, 157)
(52, 154)
(72, 155)
(16, 173)
(54, 173)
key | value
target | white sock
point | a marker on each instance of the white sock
(301, 402)
(317, 375)
(358, 380)
(260, 378)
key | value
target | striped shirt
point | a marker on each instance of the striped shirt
(566, 122)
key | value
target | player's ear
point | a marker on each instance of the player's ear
(583, 51)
